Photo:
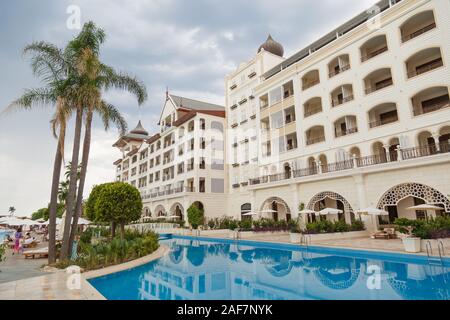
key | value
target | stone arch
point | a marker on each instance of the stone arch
(177, 210)
(160, 211)
(270, 202)
(432, 196)
(332, 195)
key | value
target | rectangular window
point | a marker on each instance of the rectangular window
(275, 96)
(277, 120)
(217, 186)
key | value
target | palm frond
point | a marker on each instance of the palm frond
(32, 97)
(119, 80)
(110, 114)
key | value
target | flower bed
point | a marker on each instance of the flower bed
(99, 253)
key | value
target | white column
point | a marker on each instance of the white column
(388, 153)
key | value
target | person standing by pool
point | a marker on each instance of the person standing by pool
(17, 237)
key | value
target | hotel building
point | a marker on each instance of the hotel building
(360, 118)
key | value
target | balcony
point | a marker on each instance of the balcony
(359, 162)
(310, 79)
(424, 61)
(417, 25)
(338, 65)
(383, 114)
(341, 95)
(345, 126)
(315, 135)
(312, 107)
(373, 47)
(378, 80)
(430, 100)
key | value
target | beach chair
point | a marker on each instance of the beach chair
(38, 253)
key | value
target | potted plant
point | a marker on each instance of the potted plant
(410, 242)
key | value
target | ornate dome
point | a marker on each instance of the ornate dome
(139, 129)
(272, 46)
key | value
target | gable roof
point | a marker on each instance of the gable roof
(191, 104)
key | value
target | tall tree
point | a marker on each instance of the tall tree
(51, 66)
(11, 210)
(94, 78)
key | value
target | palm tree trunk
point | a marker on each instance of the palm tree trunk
(70, 202)
(54, 200)
(84, 165)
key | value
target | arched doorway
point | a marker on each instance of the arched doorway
(329, 199)
(276, 208)
(397, 199)
(246, 208)
(178, 211)
(160, 211)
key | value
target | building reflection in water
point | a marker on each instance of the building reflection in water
(199, 270)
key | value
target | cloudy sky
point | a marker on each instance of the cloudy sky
(187, 45)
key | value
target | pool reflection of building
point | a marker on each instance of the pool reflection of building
(230, 271)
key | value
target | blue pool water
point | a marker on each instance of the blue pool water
(3, 234)
(227, 270)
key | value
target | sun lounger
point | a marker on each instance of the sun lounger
(39, 253)
(380, 235)
(30, 243)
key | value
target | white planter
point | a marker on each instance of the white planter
(412, 245)
(295, 237)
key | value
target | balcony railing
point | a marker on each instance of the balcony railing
(425, 68)
(338, 102)
(315, 140)
(384, 84)
(419, 152)
(342, 133)
(306, 172)
(373, 54)
(337, 166)
(312, 111)
(340, 70)
(379, 123)
(419, 32)
(431, 108)
(406, 154)
(371, 160)
(310, 84)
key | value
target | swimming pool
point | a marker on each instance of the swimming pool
(228, 270)
(3, 234)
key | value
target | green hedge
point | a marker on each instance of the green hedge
(326, 226)
(435, 228)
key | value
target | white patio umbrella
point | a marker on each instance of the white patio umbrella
(373, 212)
(307, 211)
(328, 211)
(425, 207)
(251, 213)
(82, 221)
(173, 217)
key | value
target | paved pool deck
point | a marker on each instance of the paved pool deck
(62, 285)
(23, 280)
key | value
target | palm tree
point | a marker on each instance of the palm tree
(11, 210)
(94, 78)
(50, 64)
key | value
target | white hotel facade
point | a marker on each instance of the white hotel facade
(359, 118)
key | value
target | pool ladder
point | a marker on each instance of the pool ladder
(441, 251)
(436, 262)
(305, 240)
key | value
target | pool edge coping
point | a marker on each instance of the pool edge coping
(93, 294)
(393, 254)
